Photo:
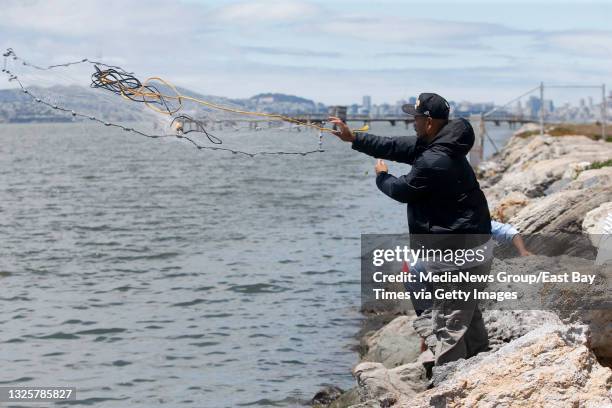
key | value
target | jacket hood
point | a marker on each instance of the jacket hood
(455, 139)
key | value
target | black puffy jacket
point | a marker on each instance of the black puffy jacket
(441, 190)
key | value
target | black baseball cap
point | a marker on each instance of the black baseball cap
(429, 104)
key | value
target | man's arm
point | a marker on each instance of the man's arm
(399, 149)
(504, 233)
(405, 189)
(519, 244)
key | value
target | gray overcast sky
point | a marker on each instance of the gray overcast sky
(329, 51)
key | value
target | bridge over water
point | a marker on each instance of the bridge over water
(512, 121)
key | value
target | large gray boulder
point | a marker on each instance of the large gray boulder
(395, 344)
(593, 223)
(381, 386)
(504, 326)
(541, 165)
(562, 212)
(549, 367)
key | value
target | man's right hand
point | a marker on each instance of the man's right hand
(344, 132)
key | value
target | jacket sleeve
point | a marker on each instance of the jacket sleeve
(502, 233)
(400, 149)
(411, 187)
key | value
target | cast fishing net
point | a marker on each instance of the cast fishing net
(109, 95)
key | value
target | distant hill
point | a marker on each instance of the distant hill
(282, 103)
(15, 106)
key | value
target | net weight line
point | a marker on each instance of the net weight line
(11, 53)
(180, 120)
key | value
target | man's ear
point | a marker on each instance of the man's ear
(429, 122)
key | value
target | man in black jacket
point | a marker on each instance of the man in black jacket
(442, 197)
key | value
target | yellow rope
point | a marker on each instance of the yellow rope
(146, 94)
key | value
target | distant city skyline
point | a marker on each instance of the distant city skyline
(587, 109)
(332, 52)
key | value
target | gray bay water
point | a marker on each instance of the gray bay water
(147, 273)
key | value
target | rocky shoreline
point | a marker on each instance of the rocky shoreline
(561, 357)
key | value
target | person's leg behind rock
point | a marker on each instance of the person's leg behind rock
(450, 322)
(476, 337)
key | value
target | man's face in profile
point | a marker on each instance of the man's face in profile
(420, 126)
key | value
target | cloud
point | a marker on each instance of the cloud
(73, 18)
(290, 52)
(587, 43)
(258, 11)
(414, 32)
(411, 54)
(326, 51)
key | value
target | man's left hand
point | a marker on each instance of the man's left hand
(381, 167)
